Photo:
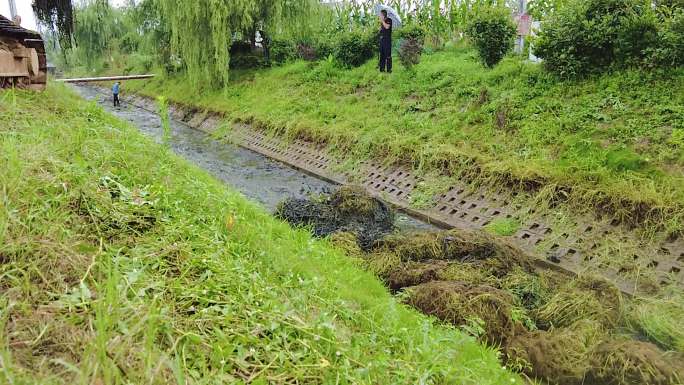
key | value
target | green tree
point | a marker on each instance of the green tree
(202, 30)
(57, 16)
(95, 26)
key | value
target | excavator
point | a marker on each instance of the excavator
(23, 63)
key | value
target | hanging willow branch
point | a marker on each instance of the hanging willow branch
(57, 15)
(202, 30)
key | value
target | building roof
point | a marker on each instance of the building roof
(9, 29)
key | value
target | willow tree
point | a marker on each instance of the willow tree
(95, 25)
(57, 16)
(203, 30)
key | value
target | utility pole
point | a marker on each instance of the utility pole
(13, 9)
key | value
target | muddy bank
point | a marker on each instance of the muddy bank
(549, 326)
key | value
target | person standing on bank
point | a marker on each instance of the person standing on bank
(385, 42)
(115, 92)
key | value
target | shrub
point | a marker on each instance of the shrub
(636, 37)
(306, 51)
(670, 50)
(324, 47)
(590, 36)
(353, 49)
(493, 33)
(410, 50)
(281, 51)
(247, 60)
(412, 32)
(240, 47)
(242, 56)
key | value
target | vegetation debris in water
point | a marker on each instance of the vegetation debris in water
(349, 209)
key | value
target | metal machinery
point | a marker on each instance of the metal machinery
(22, 57)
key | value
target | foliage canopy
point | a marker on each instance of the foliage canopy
(202, 30)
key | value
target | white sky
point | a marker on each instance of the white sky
(23, 9)
(26, 12)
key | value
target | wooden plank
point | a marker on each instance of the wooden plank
(105, 78)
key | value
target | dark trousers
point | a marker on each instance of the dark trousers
(116, 100)
(385, 55)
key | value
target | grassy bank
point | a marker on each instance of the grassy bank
(123, 264)
(614, 144)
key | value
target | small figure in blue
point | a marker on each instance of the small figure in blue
(115, 92)
(385, 42)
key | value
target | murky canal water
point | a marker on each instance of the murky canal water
(259, 178)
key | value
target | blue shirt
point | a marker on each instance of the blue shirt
(115, 89)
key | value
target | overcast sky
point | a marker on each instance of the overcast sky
(26, 12)
(23, 9)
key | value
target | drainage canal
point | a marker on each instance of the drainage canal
(258, 177)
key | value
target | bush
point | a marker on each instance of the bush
(636, 38)
(282, 51)
(306, 51)
(590, 36)
(493, 33)
(412, 32)
(354, 48)
(410, 50)
(247, 60)
(670, 50)
(324, 47)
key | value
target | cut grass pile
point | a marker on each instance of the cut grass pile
(610, 144)
(552, 327)
(121, 263)
(560, 329)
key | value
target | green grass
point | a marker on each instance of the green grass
(504, 227)
(121, 263)
(660, 319)
(611, 143)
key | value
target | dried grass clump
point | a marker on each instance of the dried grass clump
(347, 242)
(561, 356)
(625, 361)
(586, 297)
(531, 290)
(661, 320)
(381, 263)
(414, 273)
(479, 248)
(468, 273)
(459, 303)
